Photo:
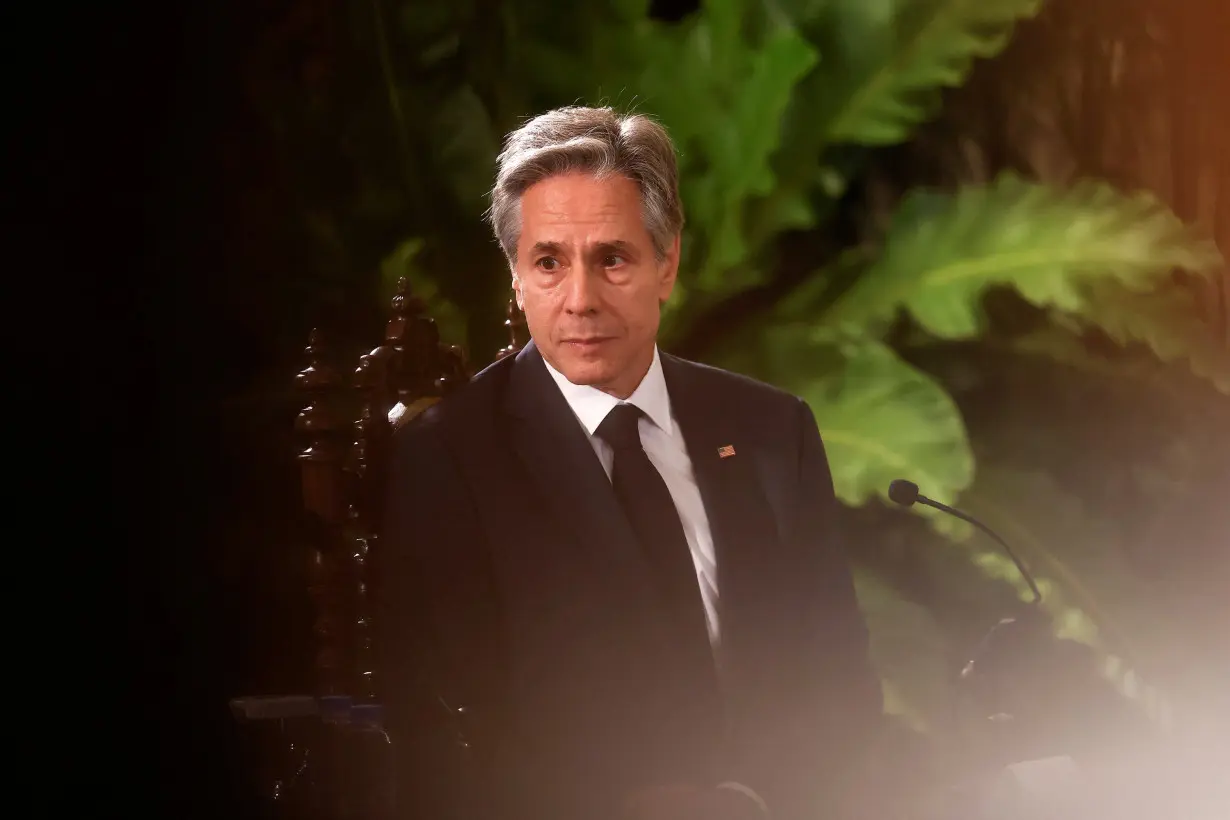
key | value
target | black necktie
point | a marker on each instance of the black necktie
(687, 709)
(651, 511)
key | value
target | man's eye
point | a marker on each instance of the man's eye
(548, 263)
(612, 260)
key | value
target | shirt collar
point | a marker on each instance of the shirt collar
(591, 405)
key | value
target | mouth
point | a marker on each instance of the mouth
(587, 342)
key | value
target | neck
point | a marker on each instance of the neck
(627, 382)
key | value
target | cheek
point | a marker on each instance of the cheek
(643, 312)
(538, 305)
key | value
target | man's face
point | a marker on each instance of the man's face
(589, 281)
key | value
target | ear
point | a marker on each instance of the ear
(668, 270)
(516, 286)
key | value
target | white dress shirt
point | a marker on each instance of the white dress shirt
(667, 451)
(664, 444)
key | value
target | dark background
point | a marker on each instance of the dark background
(126, 151)
(137, 181)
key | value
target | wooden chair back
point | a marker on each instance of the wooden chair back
(347, 426)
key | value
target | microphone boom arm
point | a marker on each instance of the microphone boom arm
(906, 494)
(969, 519)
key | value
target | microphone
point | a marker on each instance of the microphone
(1034, 696)
(906, 494)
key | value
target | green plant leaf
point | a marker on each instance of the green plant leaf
(402, 262)
(944, 250)
(587, 58)
(909, 651)
(464, 146)
(882, 419)
(886, 61)
(1168, 320)
(722, 93)
(740, 158)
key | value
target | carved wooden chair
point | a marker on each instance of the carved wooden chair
(347, 427)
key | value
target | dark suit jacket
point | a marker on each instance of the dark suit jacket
(511, 585)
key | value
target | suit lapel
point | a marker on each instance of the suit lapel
(741, 520)
(561, 462)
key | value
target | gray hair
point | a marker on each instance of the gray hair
(594, 141)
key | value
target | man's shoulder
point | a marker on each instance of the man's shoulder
(737, 388)
(465, 411)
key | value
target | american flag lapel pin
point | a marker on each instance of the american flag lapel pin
(727, 451)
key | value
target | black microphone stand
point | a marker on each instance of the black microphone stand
(1000, 677)
(1041, 707)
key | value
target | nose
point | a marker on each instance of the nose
(582, 292)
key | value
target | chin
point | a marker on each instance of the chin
(586, 372)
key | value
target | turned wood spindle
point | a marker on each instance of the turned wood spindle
(368, 466)
(321, 461)
(413, 339)
(452, 368)
(515, 325)
(323, 486)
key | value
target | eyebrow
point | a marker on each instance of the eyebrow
(545, 247)
(611, 245)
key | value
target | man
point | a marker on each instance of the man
(619, 564)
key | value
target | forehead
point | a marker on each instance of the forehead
(578, 206)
